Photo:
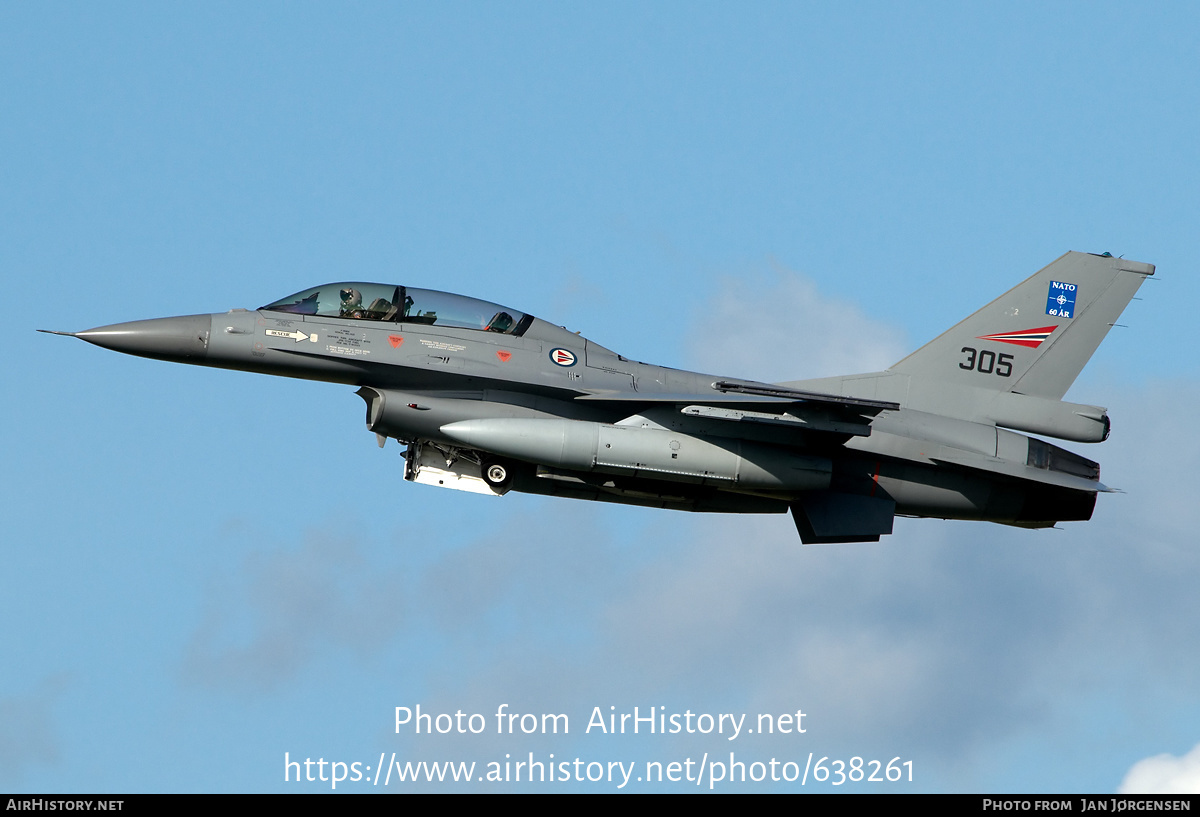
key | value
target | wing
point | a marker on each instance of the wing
(760, 405)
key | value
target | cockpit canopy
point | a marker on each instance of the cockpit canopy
(398, 304)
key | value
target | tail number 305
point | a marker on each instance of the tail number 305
(987, 362)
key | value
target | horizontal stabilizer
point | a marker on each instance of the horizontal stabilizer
(1045, 476)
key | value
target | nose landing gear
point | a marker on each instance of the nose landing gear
(497, 474)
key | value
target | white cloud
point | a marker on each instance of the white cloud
(27, 733)
(1164, 774)
(266, 621)
(776, 325)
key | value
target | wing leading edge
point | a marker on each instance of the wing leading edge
(755, 407)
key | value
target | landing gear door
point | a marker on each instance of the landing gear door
(428, 464)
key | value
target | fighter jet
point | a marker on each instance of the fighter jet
(488, 399)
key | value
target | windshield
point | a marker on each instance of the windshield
(397, 304)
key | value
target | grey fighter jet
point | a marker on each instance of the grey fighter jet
(490, 400)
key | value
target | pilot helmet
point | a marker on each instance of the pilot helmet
(351, 299)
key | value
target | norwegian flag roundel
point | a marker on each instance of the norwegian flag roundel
(562, 357)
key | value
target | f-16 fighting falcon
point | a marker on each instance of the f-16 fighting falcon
(490, 400)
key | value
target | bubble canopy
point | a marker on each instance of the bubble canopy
(397, 304)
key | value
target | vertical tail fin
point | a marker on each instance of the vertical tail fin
(1036, 338)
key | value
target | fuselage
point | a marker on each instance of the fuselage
(466, 384)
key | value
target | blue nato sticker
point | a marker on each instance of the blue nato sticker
(562, 357)
(1060, 302)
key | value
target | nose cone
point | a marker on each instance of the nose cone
(182, 339)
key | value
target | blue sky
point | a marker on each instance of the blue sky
(207, 569)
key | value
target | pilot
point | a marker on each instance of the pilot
(500, 322)
(351, 303)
